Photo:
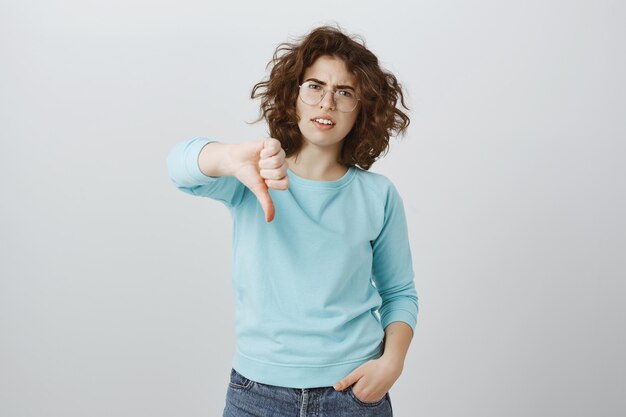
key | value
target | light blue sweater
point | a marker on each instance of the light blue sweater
(310, 285)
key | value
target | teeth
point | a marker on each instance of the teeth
(326, 122)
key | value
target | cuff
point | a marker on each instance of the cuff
(192, 165)
(399, 315)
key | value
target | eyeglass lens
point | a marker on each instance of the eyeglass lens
(313, 93)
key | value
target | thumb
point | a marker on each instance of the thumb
(261, 191)
(348, 380)
(262, 194)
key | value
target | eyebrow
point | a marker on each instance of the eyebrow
(323, 83)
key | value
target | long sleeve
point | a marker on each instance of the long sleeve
(308, 284)
(184, 171)
(392, 267)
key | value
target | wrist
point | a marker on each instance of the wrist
(393, 360)
(230, 162)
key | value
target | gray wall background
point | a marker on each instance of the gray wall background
(115, 294)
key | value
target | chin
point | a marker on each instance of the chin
(322, 138)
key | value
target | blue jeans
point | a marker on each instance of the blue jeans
(247, 398)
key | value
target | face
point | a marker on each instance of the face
(333, 72)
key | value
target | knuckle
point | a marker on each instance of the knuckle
(272, 174)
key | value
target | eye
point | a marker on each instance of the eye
(345, 93)
(313, 86)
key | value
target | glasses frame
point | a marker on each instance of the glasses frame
(323, 95)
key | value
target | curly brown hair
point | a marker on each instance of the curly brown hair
(378, 90)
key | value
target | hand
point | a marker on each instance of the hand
(372, 380)
(260, 165)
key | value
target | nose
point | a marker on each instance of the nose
(328, 101)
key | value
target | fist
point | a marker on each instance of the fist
(272, 165)
(260, 165)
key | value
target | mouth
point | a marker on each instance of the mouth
(323, 123)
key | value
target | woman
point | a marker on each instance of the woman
(325, 303)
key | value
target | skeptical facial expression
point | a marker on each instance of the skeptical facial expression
(331, 74)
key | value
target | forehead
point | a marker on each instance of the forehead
(330, 69)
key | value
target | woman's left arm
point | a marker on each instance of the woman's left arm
(374, 378)
(398, 336)
(393, 274)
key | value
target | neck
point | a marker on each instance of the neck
(317, 163)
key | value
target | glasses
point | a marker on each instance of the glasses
(312, 93)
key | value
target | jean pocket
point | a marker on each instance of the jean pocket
(365, 403)
(238, 381)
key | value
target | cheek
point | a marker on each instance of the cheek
(299, 113)
(350, 122)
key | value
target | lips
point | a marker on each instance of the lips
(325, 117)
(322, 126)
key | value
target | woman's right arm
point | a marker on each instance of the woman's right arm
(215, 159)
(222, 171)
(199, 167)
